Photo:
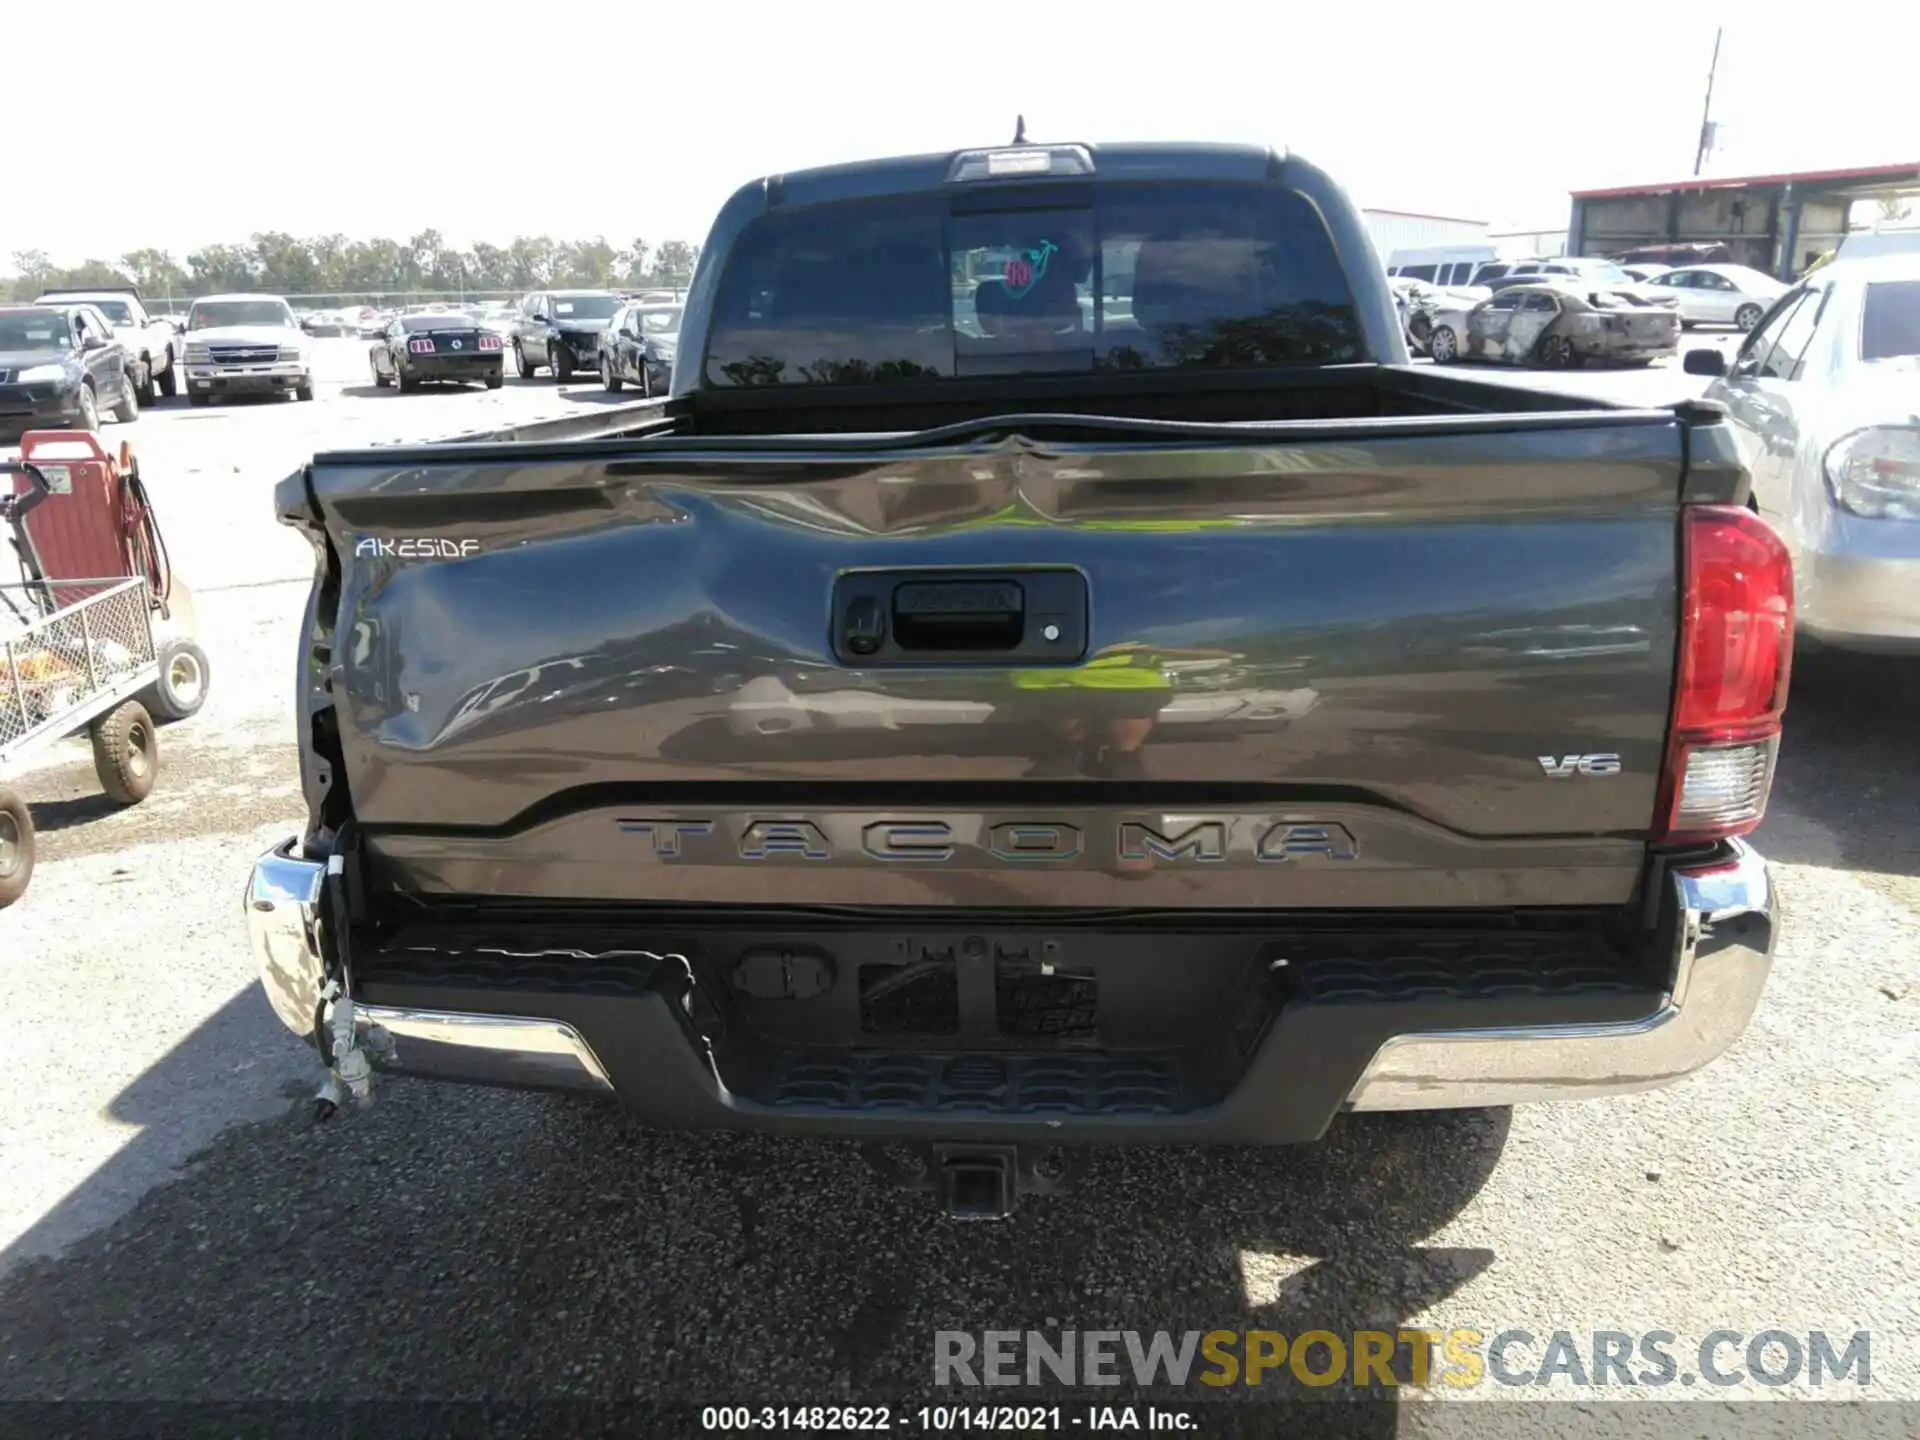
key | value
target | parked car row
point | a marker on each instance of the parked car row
(1822, 392)
(151, 342)
(1573, 310)
(113, 356)
(627, 339)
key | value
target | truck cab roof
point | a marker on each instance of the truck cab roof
(88, 291)
(896, 175)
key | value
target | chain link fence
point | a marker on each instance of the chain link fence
(390, 299)
(162, 303)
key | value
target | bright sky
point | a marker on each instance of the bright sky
(602, 117)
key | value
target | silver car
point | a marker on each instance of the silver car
(1825, 395)
(1736, 295)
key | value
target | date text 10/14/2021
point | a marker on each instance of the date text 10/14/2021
(940, 1419)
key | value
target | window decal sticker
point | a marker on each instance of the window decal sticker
(1028, 268)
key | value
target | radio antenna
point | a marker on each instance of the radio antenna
(1019, 129)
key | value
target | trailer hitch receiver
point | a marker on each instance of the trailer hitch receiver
(975, 1182)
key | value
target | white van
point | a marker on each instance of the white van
(1441, 265)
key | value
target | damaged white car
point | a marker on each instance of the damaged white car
(1418, 303)
(1553, 327)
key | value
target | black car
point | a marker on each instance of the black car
(637, 347)
(60, 367)
(559, 330)
(451, 346)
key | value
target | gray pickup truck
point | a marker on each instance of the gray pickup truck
(1053, 672)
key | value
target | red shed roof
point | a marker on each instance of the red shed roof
(1860, 175)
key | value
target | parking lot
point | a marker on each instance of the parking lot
(173, 1224)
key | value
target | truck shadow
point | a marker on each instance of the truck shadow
(369, 390)
(1848, 764)
(468, 1244)
(598, 395)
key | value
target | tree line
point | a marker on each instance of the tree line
(276, 263)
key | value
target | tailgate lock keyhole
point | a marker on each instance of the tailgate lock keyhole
(866, 625)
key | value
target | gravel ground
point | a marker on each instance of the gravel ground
(175, 1227)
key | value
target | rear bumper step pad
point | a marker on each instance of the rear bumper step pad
(1347, 1031)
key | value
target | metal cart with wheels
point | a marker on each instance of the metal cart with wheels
(73, 655)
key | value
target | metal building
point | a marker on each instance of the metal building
(1775, 223)
(1547, 244)
(1409, 230)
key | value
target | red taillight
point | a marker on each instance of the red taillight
(1736, 653)
(489, 342)
(422, 346)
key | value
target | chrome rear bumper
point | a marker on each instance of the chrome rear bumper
(489, 1049)
(1722, 940)
(284, 920)
(1723, 949)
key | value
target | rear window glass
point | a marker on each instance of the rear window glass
(1132, 278)
(117, 311)
(1890, 322)
(454, 321)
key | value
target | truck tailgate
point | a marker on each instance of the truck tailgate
(1396, 664)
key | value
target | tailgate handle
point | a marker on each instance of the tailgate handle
(1034, 616)
(959, 614)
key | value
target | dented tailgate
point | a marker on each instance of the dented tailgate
(1398, 667)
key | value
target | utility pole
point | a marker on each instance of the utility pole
(1706, 114)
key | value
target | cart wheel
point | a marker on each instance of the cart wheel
(16, 847)
(126, 756)
(182, 687)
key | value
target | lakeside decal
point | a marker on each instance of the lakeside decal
(414, 547)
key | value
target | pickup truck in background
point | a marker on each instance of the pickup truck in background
(245, 345)
(152, 344)
(1223, 723)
